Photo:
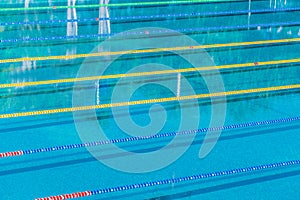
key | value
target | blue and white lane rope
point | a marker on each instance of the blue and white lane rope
(174, 180)
(152, 17)
(152, 32)
(161, 135)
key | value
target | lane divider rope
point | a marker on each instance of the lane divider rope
(150, 101)
(153, 3)
(149, 33)
(157, 136)
(145, 17)
(149, 73)
(170, 181)
(155, 50)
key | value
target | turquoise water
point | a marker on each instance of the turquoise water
(74, 170)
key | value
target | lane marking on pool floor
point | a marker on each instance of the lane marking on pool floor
(155, 16)
(151, 34)
(152, 17)
(183, 179)
(149, 137)
(153, 3)
(149, 73)
(149, 101)
(155, 50)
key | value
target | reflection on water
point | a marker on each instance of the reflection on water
(72, 25)
(104, 22)
(103, 29)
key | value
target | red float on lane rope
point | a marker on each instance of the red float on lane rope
(10, 154)
(68, 196)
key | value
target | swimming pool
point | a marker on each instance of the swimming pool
(149, 100)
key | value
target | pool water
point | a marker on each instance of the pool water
(246, 130)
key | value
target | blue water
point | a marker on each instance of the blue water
(68, 171)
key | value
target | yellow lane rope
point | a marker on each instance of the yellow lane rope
(139, 74)
(158, 100)
(155, 50)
